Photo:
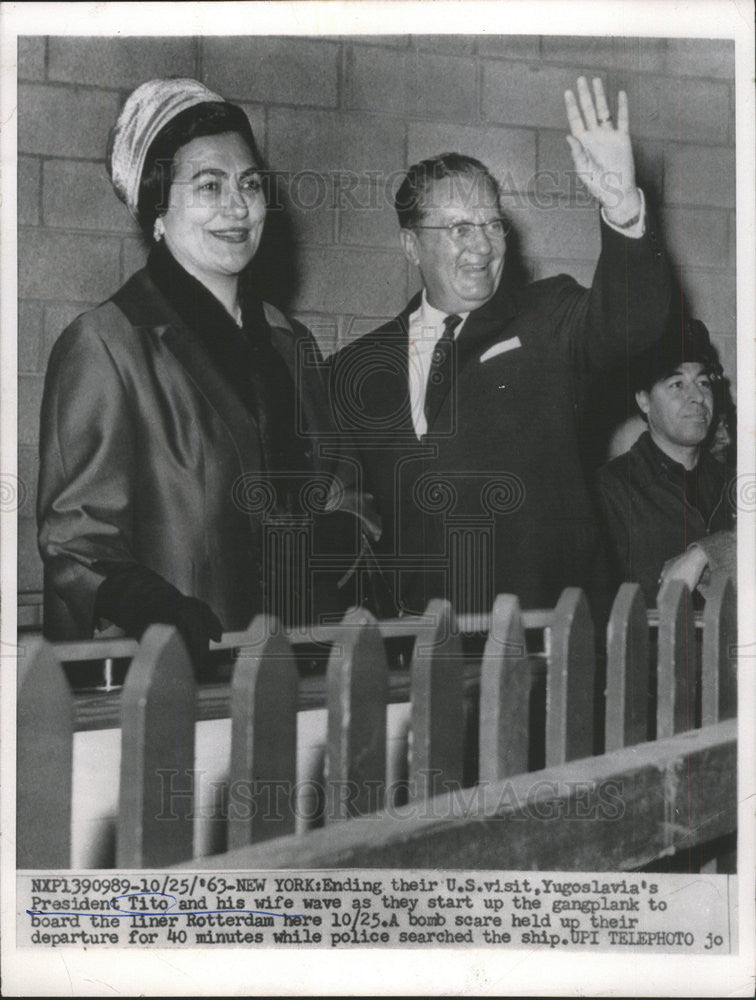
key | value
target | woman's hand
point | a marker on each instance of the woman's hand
(197, 625)
(134, 597)
(601, 152)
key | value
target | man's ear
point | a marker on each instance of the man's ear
(641, 398)
(408, 239)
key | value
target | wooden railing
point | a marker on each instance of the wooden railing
(664, 782)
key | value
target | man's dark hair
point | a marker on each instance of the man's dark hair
(412, 193)
(684, 340)
(208, 118)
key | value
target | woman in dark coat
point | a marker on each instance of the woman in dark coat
(183, 419)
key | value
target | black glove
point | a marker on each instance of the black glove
(134, 597)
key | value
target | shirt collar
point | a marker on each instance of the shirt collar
(432, 317)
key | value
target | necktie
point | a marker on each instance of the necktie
(441, 370)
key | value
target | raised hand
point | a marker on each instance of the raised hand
(601, 152)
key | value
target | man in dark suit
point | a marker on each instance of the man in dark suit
(466, 405)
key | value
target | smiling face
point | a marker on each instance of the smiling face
(679, 408)
(216, 208)
(459, 275)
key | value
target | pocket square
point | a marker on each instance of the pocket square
(500, 348)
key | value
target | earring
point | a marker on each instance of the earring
(158, 230)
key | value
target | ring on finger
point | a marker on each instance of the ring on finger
(606, 120)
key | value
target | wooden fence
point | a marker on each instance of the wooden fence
(664, 783)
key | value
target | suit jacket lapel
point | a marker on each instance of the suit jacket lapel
(484, 326)
(386, 395)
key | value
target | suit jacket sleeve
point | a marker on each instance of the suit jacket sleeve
(87, 448)
(721, 550)
(613, 504)
(627, 306)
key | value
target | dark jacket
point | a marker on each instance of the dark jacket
(147, 457)
(494, 498)
(654, 510)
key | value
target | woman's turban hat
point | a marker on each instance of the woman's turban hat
(150, 107)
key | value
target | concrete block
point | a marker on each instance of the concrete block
(122, 62)
(72, 267)
(31, 58)
(600, 56)
(133, 256)
(59, 315)
(256, 115)
(690, 111)
(570, 232)
(701, 57)
(325, 329)
(732, 229)
(699, 175)
(410, 83)
(510, 46)
(557, 176)
(649, 168)
(276, 70)
(389, 41)
(548, 268)
(522, 94)
(643, 54)
(30, 332)
(28, 191)
(712, 295)
(727, 348)
(450, 44)
(353, 327)
(351, 281)
(585, 53)
(79, 195)
(334, 143)
(28, 470)
(29, 561)
(696, 236)
(307, 201)
(509, 153)
(29, 402)
(65, 121)
(367, 216)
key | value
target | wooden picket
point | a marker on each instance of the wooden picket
(504, 694)
(263, 737)
(676, 665)
(158, 704)
(357, 683)
(720, 632)
(627, 671)
(570, 681)
(155, 825)
(437, 706)
(44, 740)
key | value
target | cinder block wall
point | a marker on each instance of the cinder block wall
(340, 118)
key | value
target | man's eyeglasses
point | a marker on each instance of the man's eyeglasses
(464, 232)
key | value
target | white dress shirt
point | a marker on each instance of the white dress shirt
(426, 327)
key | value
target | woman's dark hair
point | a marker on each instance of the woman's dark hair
(210, 118)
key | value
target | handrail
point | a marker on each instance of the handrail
(394, 628)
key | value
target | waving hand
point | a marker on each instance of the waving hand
(602, 152)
